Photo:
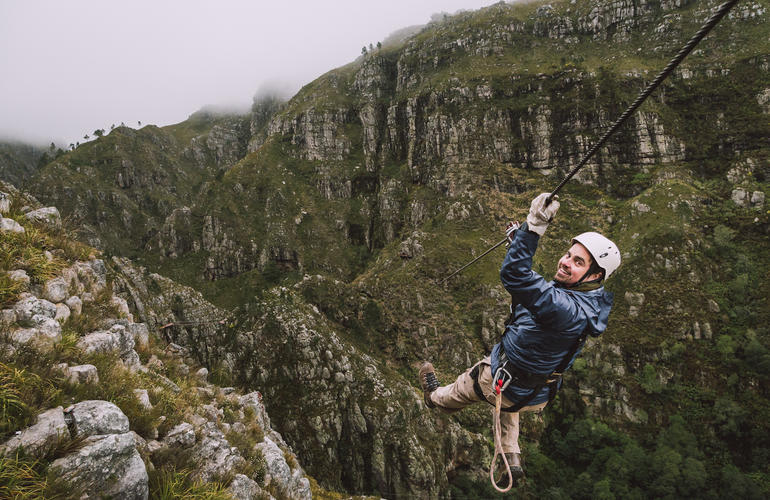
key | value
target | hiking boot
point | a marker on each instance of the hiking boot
(428, 382)
(514, 462)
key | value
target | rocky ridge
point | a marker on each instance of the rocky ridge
(221, 433)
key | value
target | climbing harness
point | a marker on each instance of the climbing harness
(670, 67)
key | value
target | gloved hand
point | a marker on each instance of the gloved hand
(540, 215)
(510, 229)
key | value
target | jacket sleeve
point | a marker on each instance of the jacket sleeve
(528, 288)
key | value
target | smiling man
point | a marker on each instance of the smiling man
(548, 325)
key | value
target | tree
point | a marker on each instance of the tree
(379, 45)
(371, 47)
(363, 50)
(139, 123)
(99, 132)
(86, 137)
(112, 127)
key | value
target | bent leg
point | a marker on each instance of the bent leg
(457, 395)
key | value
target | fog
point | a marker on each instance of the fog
(69, 68)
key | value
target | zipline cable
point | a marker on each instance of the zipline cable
(688, 47)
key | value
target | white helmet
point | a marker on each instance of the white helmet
(602, 249)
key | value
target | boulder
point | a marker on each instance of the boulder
(62, 313)
(10, 226)
(44, 333)
(82, 374)
(202, 375)
(277, 470)
(7, 317)
(36, 441)
(19, 275)
(144, 398)
(140, 333)
(243, 488)
(214, 455)
(5, 202)
(48, 216)
(122, 306)
(30, 306)
(107, 466)
(117, 339)
(181, 436)
(95, 417)
(75, 305)
(56, 290)
(253, 400)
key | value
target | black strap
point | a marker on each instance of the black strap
(553, 383)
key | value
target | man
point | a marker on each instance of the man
(548, 324)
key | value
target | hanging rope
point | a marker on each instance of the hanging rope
(496, 432)
(689, 46)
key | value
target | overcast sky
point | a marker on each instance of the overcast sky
(70, 67)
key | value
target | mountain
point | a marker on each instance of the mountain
(325, 225)
(19, 161)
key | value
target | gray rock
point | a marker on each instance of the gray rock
(143, 397)
(48, 216)
(277, 468)
(122, 307)
(30, 306)
(140, 333)
(107, 466)
(202, 374)
(757, 199)
(713, 306)
(740, 197)
(10, 226)
(117, 339)
(62, 313)
(75, 305)
(279, 472)
(181, 436)
(19, 275)
(90, 418)
(50, 427)
(7, 317)
(44, 334)
(205, 393)
(253, 400)
(214, 455)
(243, 488)
(56, 290)
(5, 202)
(82, 374)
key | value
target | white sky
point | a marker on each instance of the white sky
(70, 67)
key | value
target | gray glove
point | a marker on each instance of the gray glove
(540, 215)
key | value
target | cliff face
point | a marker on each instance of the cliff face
(328, 223)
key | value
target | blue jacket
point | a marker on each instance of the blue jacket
(548, 318)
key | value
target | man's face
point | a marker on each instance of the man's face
(573, 265)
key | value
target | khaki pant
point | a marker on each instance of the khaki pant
(456, 396)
